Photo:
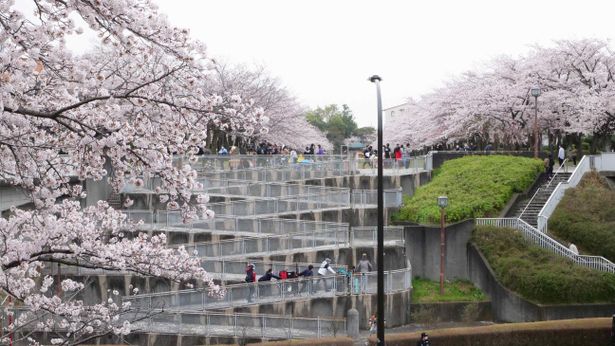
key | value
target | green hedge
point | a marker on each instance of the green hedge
(539, 275)
(586, 217)
(477, 186)
(587, 331)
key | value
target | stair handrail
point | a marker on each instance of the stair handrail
(556, 172)
(558, 193)
(530, 202)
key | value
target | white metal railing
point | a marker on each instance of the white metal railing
(271, 244)
(197, 323)
(292, 204)
(392, 197)
(273, 291)
(544, 241)
(561, 169)
(559, 191)
(221, 269)
(172, 221)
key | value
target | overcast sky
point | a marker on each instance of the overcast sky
(323, 51)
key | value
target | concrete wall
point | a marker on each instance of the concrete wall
(508, 306)
(423, 250)
(451, 312)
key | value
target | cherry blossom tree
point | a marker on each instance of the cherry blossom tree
(119, 114)
(286, 123)
(494, 104)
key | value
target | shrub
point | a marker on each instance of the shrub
(586, 217)
(539, 275)
(477, 186)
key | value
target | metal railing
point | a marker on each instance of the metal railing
(392, 197)
(196, 323)
(299, 171)
(172, 221)
(239, 325)
(559, 191)
(292, 204)
(226, 162)
(271, 244)
(224, 270)
(561, 169)
(403, 165)
(273, 291)
(369, 234)
(544, 241)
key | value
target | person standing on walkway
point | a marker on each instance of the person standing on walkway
(373, 323)
(424, 340)
(324, 270)
(364, 267)
(387, 151)
(307, 275)
(561, 155)
(251, 280)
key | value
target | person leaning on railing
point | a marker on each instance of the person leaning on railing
(306, 274)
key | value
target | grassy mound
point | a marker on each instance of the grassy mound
(427, 291)
(539, 275)
(476, 186)
(586, 217)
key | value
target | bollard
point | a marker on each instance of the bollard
(352, 323)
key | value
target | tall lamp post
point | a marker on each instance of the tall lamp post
(380, 246)
(535, 92)
(442, 203)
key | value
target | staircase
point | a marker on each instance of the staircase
(529, 212)
(115, 200)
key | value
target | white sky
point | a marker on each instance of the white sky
(324, 50)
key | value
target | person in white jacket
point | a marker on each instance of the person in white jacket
(324, 270)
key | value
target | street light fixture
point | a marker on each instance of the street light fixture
(442, 203)
(380, 246)
(535, 91)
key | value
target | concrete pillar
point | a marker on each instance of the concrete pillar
(352, 323)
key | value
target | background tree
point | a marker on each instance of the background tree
(338, 124)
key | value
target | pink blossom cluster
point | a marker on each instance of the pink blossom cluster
(121, 114)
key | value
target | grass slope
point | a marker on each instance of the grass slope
(539, 275)
(427, 291)
(586, 217)
(477, 186)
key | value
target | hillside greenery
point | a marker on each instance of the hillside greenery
(539, 275)
(586, 217)
(476, 186)
(427, 291)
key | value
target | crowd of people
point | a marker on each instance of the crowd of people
(267, 148)
(356, 277)
(400, 154)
